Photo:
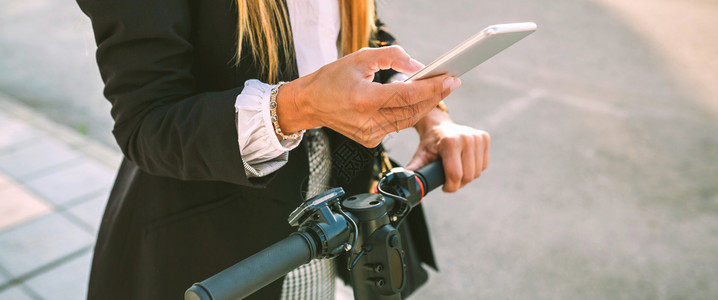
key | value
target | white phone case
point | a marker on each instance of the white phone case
(476, 50)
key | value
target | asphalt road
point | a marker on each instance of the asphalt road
(603, 180)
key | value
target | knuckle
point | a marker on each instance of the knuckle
(358, 55)
(364, 142)
(467, 139)
(372, 143)
(363, 50)
(440, 92)
(396, 49)
(467, 179)
(453, 176)
(482, 135)
(370, 140)
(450, 142)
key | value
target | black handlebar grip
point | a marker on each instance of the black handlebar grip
(431, 175)
(258, 270)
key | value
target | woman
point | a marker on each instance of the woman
(215, 151)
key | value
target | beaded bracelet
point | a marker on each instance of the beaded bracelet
(273, 114)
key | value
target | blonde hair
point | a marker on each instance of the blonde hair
(265, 26)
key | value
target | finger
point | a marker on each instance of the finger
(404, 112)
(391, 57)
(417, 161)
(406, 93)
(457, 83)
(487, 146)
(479, 155)
(421, 158)
(397, 118)
(468, 160)
(451, 157)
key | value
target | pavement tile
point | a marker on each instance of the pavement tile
(33, 157)
(4, 181)
(67, 281)
(14, 293)
(37, 243)
(71, 182)
(90, 211)
(17, 205)
(13, 132)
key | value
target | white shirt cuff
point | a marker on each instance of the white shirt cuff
(261, 151)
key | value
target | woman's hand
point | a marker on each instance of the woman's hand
(342, 96)
(464, 151)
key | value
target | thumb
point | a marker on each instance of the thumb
(390, 57)
(421, 158)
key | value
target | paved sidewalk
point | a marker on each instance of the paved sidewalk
(53, 188)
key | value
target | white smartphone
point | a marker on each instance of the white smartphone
(476, 50)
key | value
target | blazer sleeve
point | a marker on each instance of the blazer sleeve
(162, 122)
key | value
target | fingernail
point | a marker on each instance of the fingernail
(457, 83)
(448, 83)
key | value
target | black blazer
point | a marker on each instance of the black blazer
(182, 208)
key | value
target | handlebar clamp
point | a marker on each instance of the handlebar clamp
(329, 230)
